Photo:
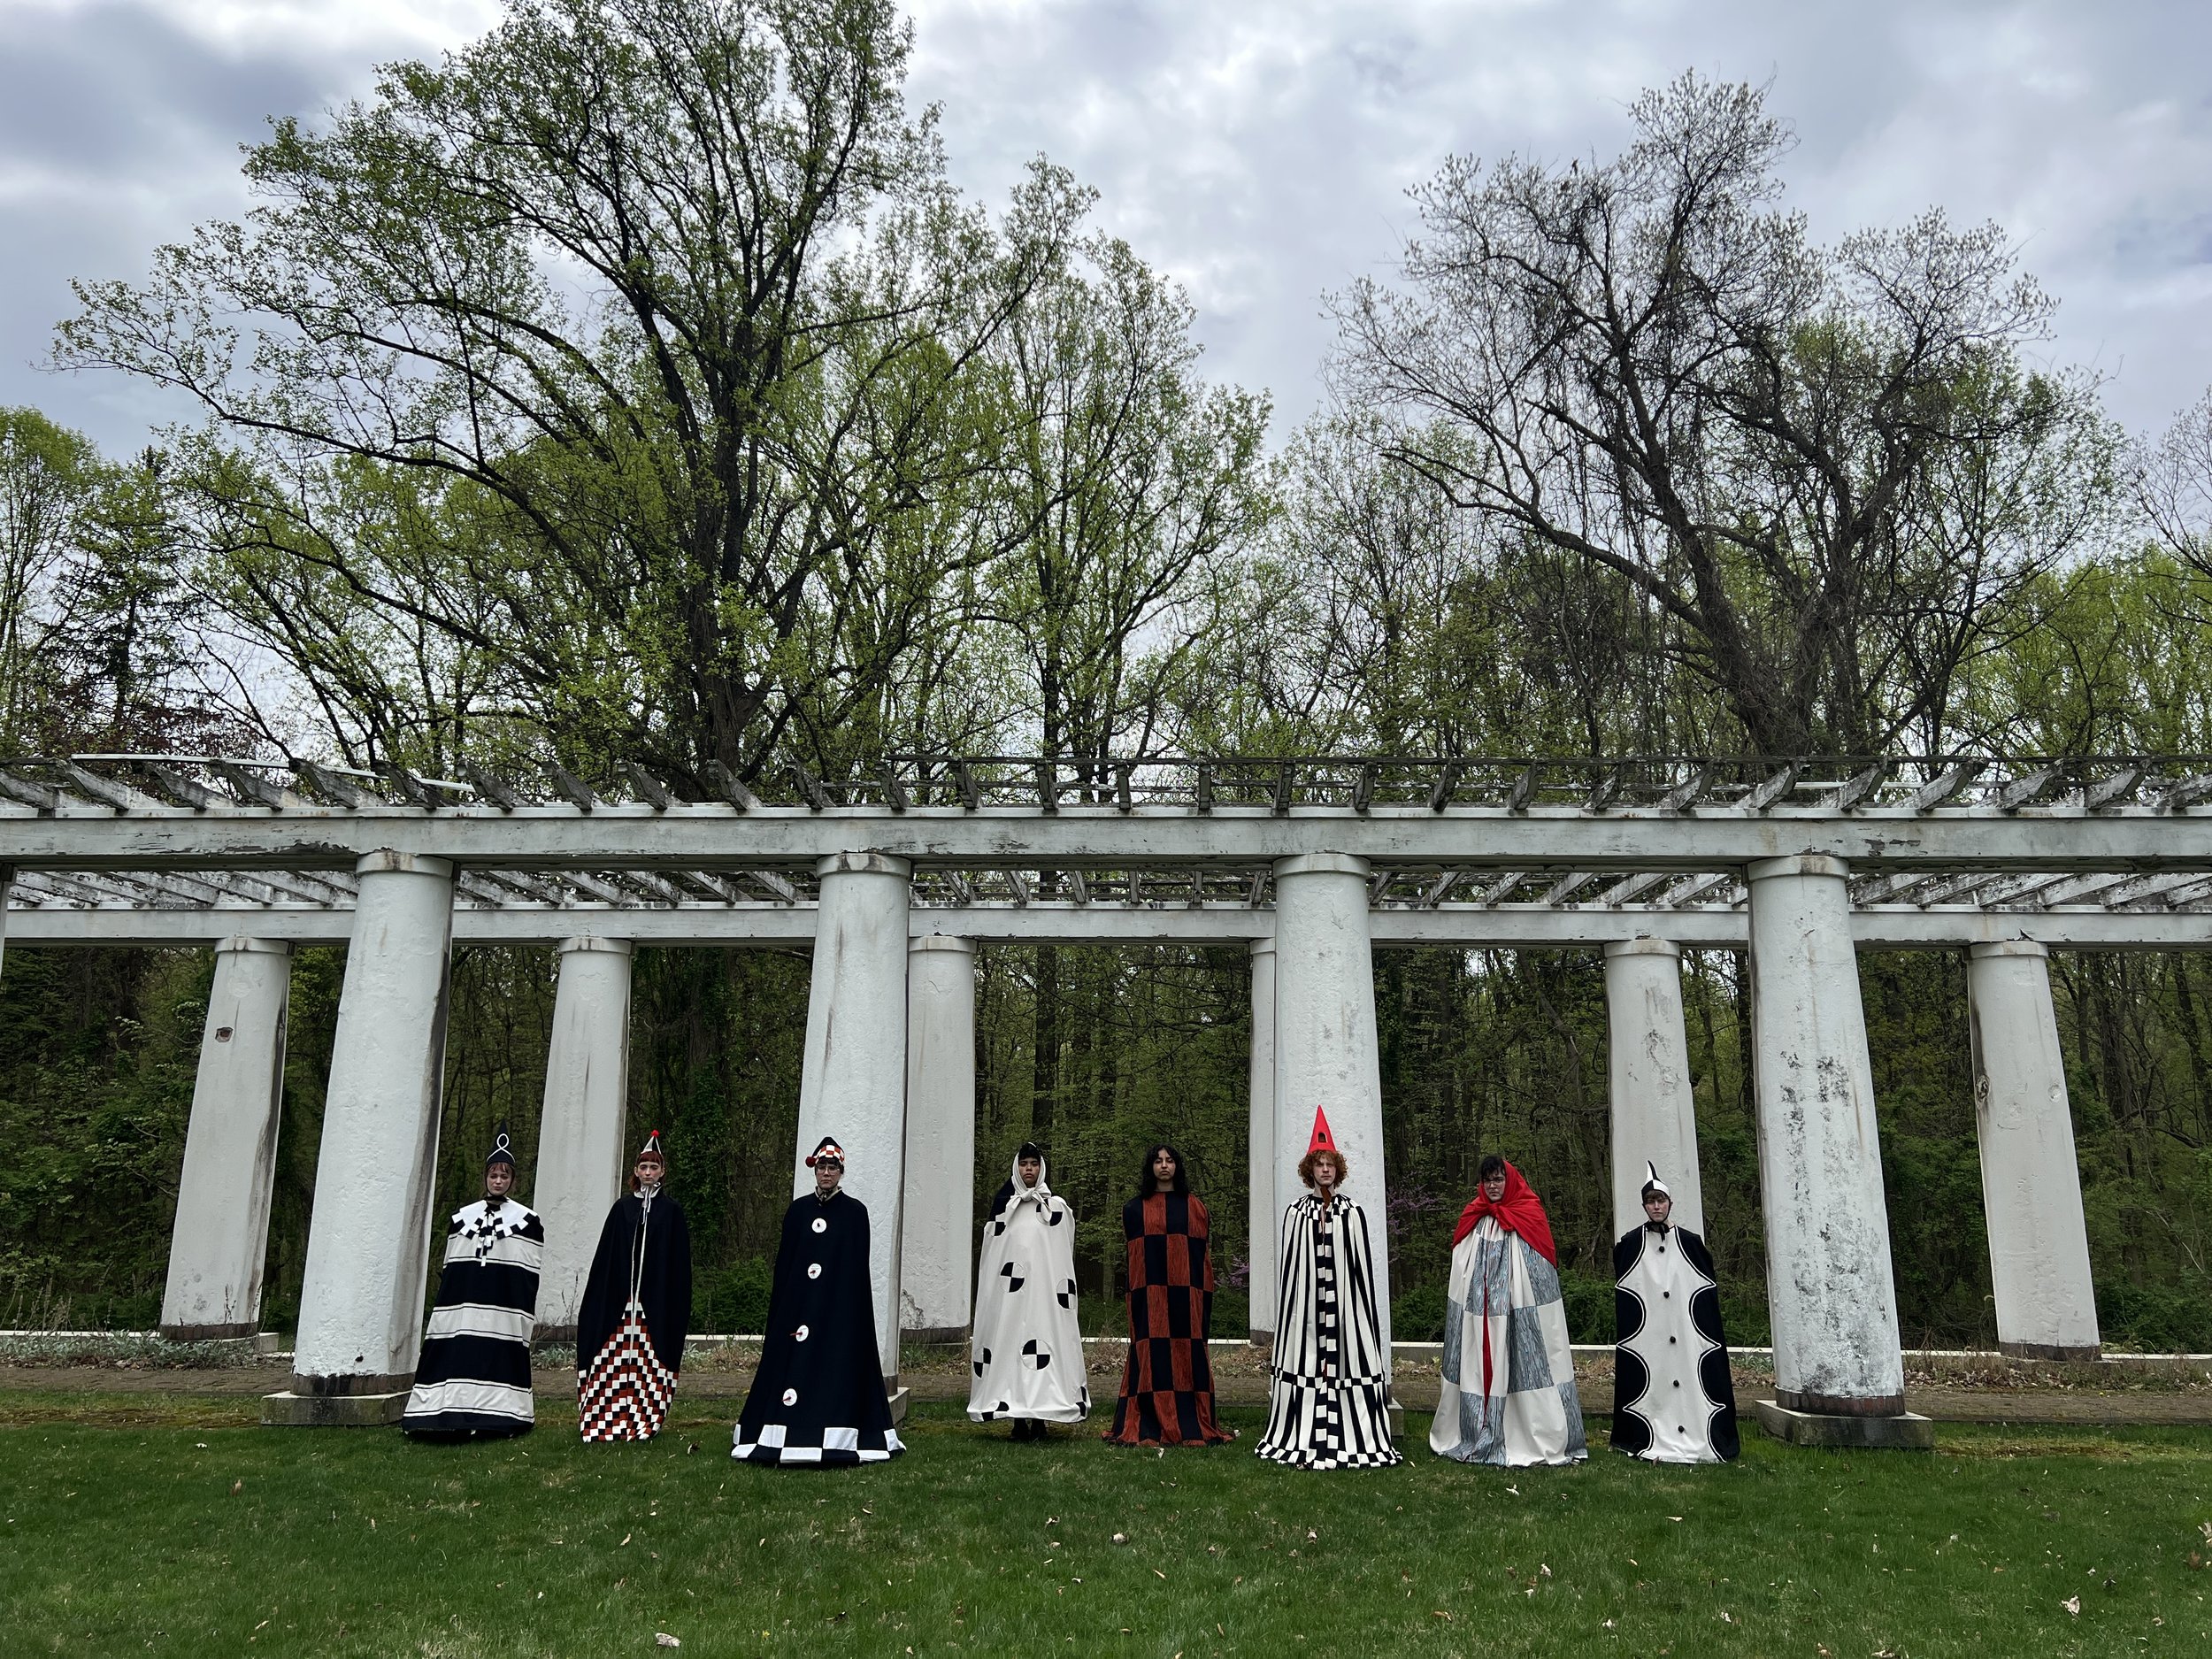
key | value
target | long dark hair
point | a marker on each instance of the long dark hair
(1147, 1186)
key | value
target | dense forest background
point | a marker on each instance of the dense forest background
(633, 387)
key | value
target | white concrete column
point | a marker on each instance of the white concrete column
(1265, 1215)
(1648, 1075)
(2039, 1242)
(937, 1234)
(585, 1123)
(221, 1232)
(361, 1304)
(1830, 1289)
(852, 1082)
(7, 883)
(1326, 1050)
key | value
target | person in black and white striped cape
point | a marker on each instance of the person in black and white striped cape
(1328, 1394)
(474, 1378)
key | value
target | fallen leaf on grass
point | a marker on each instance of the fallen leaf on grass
(2072, 1604)
(626, 1538)
(662, 1638)
(1441, 1613)
(237, 1487)
(1157, 1573)
(1121, 1538)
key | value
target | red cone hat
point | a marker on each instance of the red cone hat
(1322, 1141)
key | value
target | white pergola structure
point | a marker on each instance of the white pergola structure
(1314, 862)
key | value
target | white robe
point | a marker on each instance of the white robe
(1673, 1401)
(1509, 1390)
(1026, 1355)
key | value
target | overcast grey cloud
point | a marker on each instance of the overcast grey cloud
(1259, 150)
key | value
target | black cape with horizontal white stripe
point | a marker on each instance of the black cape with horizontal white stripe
(474, 1377)
(1673, 1399)
(1328, 1393)
(817, 1397)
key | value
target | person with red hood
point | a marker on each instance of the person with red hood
(1509, 1394)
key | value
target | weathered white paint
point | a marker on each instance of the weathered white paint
(2039, 1242)
(1830, 1289)
(1503, 926)
(1077, 836)
(1326, 1050)
(1263, 1213)
(221, 1232)
(852, 1081)
(361, 1301)
(7, 883)
(584, 1126)
(1648, 1074)
(938, 1230)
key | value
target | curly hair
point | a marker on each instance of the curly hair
(1306, 1164)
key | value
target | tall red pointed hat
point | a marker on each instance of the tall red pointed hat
(1322, 1141)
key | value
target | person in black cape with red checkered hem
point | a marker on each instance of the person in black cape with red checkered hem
(817, 1397)
(636, 1310)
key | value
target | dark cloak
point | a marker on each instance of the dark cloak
(626, 1363)
(1673, 1399)
(474, 1377)
(817, 1397)
(1167, 1387)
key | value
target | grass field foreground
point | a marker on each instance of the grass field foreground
(191, 1536)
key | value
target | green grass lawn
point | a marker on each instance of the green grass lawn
(127, 1532)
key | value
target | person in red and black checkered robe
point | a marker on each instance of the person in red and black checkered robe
(1167, 1389)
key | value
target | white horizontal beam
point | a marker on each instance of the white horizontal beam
(1903, 927)
(1473, 838)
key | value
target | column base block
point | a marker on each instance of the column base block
(1907, 1431)
(898, 1407)
(289, 1410)
(2088, 1353)
(935, 1336)
(1397, 1415)
(1261, 1339)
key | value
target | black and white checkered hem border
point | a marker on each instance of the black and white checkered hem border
(836, 1443)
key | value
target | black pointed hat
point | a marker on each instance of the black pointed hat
(503, 1149)
(827, 1149)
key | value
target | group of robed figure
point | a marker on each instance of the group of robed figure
(1508, 1393)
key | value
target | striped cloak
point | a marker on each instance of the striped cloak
(474, 1374)
(1167, 1389)
(1509, 1394)
(1327, 1405)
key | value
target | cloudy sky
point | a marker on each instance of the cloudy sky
(1259, 150)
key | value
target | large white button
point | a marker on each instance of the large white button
(814, 1269)
(821, 1224)
(791, 1396)
(800, 1333)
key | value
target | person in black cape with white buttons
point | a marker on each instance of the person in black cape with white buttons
(817, 1397)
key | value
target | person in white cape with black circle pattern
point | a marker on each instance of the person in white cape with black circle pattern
(1026, 1352)
(1328, 1404)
